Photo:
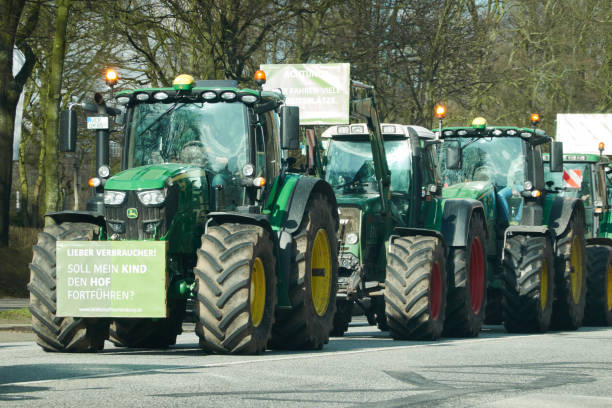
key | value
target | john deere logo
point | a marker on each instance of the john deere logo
(132, 213)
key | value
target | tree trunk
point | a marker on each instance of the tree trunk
(10, 88)
(50, 140)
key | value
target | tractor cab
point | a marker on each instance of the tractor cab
(584, 177)
(507, 158)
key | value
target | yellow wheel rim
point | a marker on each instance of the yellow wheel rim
(258, 292)
(576, 272)
(544, 285)
(320, 273)
(609, 293)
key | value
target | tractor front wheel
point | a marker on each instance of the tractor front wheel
(598, 310)
(416, 288)
(342, 317)
(236, 289)
(528, 291)
(467, 295)
(54, 333)
(570, 277)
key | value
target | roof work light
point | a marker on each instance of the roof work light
(260, 77)
(111, 77)
(440, 111)
(479, 123)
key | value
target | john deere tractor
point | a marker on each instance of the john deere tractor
(537, 271)
(395, 229)
(585, 177)
(205, 200)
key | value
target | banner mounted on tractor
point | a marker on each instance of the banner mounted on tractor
(320, 90)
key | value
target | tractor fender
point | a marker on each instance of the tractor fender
(531, 230)
(302, 191)
(89, 217)
(561, 212)
(456, 219)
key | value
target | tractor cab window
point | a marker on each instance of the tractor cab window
(350, 168)
(499, 160)
(399, 159)
(269, 127)
(575, 181)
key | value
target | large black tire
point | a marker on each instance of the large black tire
(53, 333)
(416, 288)
(149, 333)
(342, 317)
(598, 310)
(236, 289)
(570, 277)
(309, 322)
(529, 284)
(467, 293)
(378, 304)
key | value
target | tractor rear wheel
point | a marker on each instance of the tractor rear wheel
(342, 317)
(570, 277)
(598, 310)
(149, 333)
(53, 333)
(312, 281)
(529, 284)
(468, 291)
(236, 289)
(416, 288)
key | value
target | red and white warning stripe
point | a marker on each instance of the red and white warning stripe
(572, 178)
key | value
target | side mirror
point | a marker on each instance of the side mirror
(453, 158)
(556, 157)
(68, 131)
(290, 127)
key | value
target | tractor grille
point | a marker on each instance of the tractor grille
(150, 223)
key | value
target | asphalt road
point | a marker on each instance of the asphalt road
(363, 369)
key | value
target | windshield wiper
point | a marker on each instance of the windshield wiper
(170, 109)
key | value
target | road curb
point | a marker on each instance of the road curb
(24, 328)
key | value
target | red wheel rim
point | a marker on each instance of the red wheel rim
(477, 278)
(435, 290)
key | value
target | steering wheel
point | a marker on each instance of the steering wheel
(193, 152)
(481, 171)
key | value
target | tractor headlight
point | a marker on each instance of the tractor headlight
(113, 197)
(104, 171)
(151, 197)
(352, 238)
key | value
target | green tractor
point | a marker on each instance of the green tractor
(585, 178)
(395, 229)
(204, 176)
(537, 272)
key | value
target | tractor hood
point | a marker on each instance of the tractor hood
(470, 189)
(149, 177)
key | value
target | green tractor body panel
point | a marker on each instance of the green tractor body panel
(147, 177)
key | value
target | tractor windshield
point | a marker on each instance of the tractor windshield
(350, 168)
(500, 160)
(575, 181)
(213, 135)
